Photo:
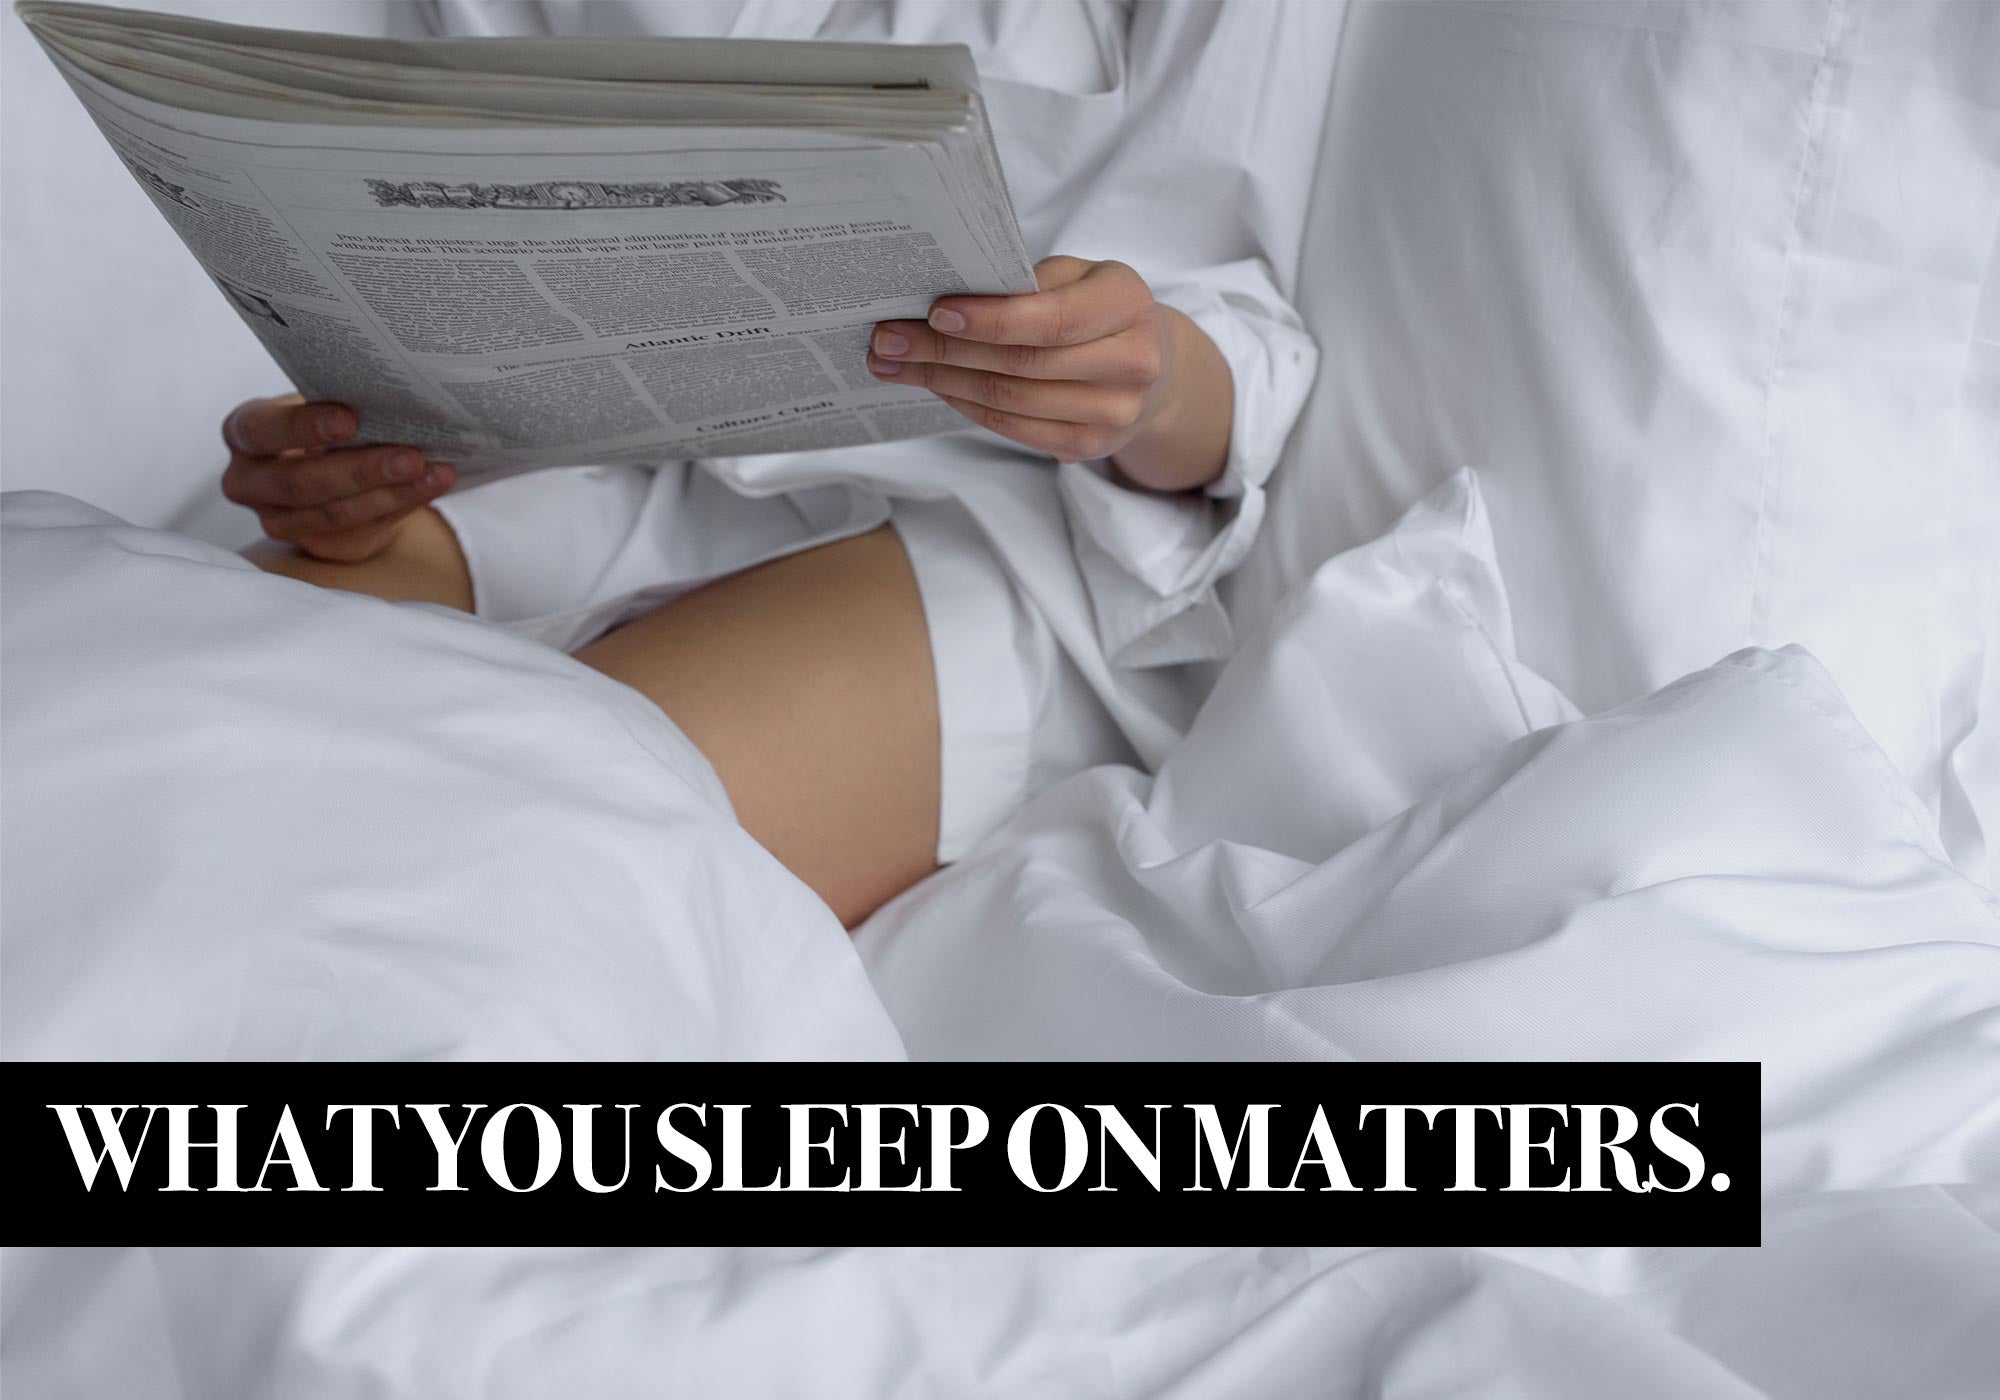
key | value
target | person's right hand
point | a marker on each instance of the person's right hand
(333, 502)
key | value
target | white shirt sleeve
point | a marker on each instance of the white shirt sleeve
(1151, 561)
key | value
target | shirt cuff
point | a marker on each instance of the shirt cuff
(1151, 561)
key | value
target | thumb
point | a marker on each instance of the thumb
(1060, 271)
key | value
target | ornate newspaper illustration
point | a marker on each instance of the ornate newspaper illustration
(520, 293)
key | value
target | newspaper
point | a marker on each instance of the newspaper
(622, 268)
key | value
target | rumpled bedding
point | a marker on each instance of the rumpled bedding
(1706, 291)
(1709, 294)
(246, 818)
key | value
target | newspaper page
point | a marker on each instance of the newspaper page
(514, 298)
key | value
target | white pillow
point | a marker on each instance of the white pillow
(1707, 294)
(1389, 673)
(1378, 843)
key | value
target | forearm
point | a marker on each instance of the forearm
(1184, 444)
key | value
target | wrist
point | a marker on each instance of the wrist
(1182, 443)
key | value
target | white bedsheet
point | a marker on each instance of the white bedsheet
(1867, 1294)
(1709, 296)
(230, 801)
(1371, 847)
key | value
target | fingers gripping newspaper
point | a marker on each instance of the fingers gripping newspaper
(519, 253)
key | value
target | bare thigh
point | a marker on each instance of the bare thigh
(807, 682)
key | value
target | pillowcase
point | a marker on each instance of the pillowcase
(1707, 294)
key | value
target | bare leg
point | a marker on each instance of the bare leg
(807, 682)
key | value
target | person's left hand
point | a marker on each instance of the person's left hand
(1084, 368)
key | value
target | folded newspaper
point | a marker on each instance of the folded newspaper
(520, 253)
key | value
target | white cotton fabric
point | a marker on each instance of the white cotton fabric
(1015, 716)
(1151, 562)
(1710, 297)
(1852, 1296)
(247, 818)
(1382, 840)
(1705, 292)
(1385, 837)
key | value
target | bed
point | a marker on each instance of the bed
(1619, 659)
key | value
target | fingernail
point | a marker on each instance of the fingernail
(405, 466)
(947, 320)
(437, 478)
(885, 367)
(889, 343)
(333, 424)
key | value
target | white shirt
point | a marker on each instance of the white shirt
(1176, 137)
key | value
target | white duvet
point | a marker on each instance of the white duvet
(245, 818)
(248, 818)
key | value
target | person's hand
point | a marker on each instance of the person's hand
(1089, 366)
(333, 502)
